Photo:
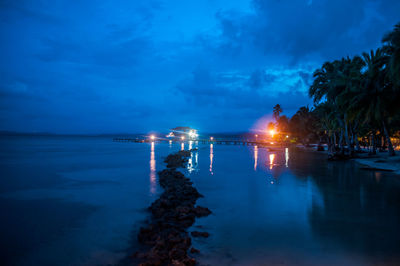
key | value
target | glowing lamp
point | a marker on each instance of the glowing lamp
(211, 138)
(183, 137)
(152, 137)
(272, 132)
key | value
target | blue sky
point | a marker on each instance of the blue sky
(138, 66)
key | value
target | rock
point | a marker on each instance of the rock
(139, 255)
(200, 234)
(177, 254)
(189, 262)
(178, 263)
(202, 211)
(171, 214)
(193, 250)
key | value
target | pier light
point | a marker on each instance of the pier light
(211, 138)
(152, 137)
(183, 138)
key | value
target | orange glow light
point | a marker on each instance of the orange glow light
(272, 132)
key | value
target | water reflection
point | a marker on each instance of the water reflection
(255, 157)
(358, 210)
(190, 144)
(193, 160)
(271, 161)
(153, 185)
(170, 143)
(307, 207)
(211, 158)
(182, 146)
(287, 157)
(378, 177)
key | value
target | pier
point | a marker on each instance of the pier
(202, 141)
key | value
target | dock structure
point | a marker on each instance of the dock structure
(202, 141)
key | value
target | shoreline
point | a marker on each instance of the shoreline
(379, 162)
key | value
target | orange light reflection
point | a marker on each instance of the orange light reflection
(271, 161)
(255, 157)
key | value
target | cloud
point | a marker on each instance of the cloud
(300, 29)
(110, 66)
(249, 93)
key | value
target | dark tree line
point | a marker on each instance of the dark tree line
(355, 99)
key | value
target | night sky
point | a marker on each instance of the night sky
(136, 66)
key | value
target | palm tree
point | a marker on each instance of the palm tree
(327, 123)
(375, 97)
(277, 111)
(363, 95)
(331, 82)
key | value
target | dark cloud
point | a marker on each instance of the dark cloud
(302, 28)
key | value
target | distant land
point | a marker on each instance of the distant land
(16, 133)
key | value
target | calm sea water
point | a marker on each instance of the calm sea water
(80, 201)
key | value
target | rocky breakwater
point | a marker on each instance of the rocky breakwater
(165, 237)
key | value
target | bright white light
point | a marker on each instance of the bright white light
(191, 133)
(272, 132)
(183, 137)
(153, 137)
(211, 138)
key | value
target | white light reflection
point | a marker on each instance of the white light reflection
(287, 157)
(170, 143)
(182, 146)
(271, 161)
(190, 145)
(190, 163)
(211, 158)
(255, 157)
(193, 166)
(153, 185)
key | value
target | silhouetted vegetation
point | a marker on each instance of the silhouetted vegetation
(356, 102)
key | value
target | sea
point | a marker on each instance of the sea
(80, 200)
